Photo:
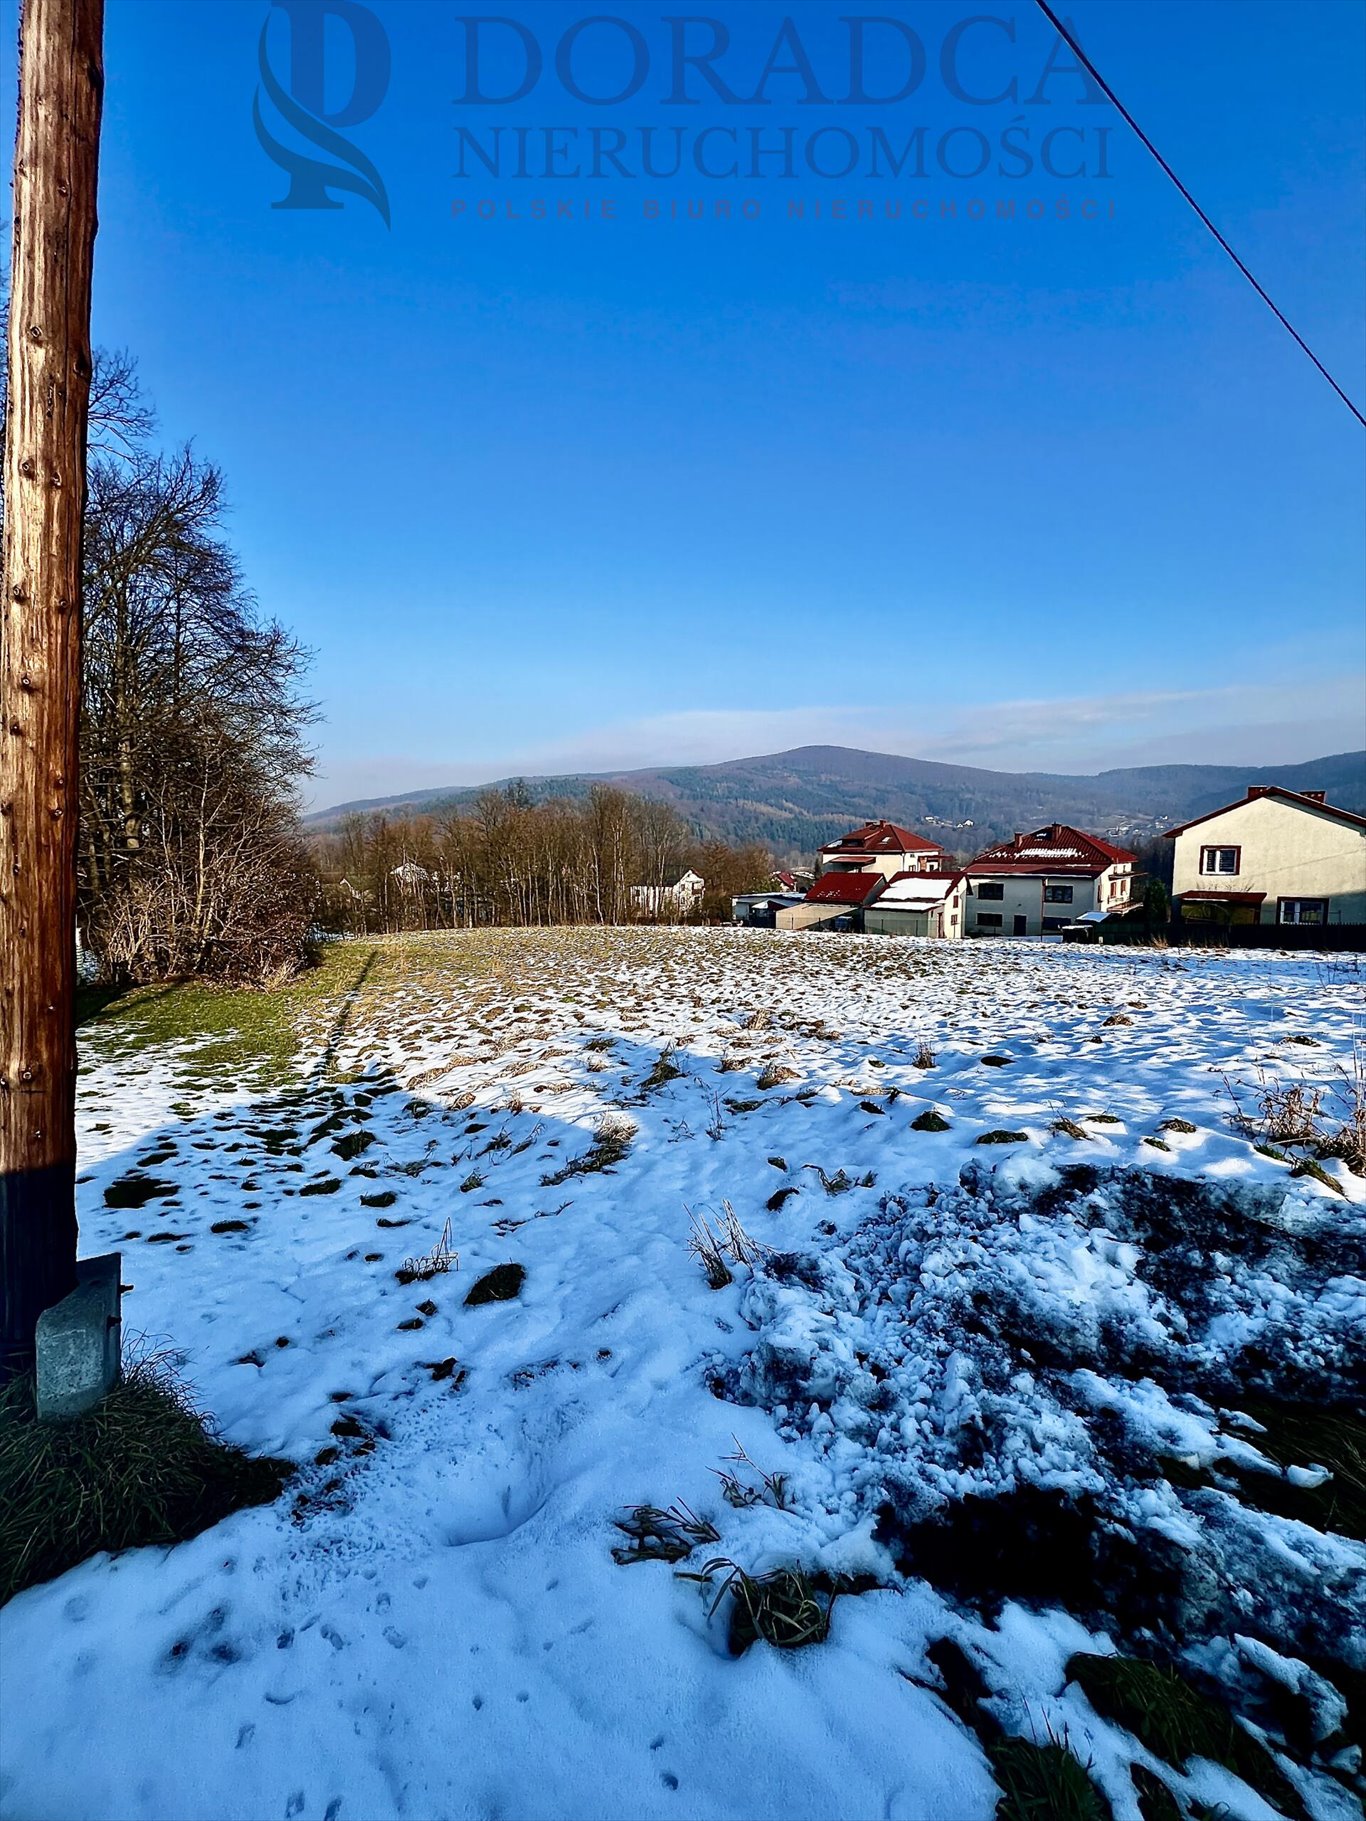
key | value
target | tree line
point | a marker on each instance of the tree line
(190, 856)
(509, 859)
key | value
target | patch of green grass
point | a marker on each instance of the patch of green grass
(783, 1606)
(500, 1285)
(930, 1121)
(664, 1071)
(1001, 1136)
(135, 1191)
(1308, 1167)
(1177, 1723)
(1303, 1436)
(1155, 1801)
(143, 1467)
(1044, 1783)
(352, 1144)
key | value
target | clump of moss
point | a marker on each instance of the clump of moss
(144, 1466)
(1177, 1723)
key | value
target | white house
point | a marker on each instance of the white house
(1040, 882)
(882, 847)
(919, 904)
(669, 903)
(1277, 856)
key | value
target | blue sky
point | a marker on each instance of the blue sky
(583, 493)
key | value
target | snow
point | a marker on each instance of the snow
(433, 1624)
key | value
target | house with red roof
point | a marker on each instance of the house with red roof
(836, 901)
(885, 848)
(1040, 882)
(1275, 856)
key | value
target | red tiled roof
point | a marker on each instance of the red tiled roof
(1304, 798)
(882, 838)
(1055, 849)
(844, 888)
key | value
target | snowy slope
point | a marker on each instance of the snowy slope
(431, 1622)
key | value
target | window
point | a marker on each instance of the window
(1057, 894)
(989, 920)
(1220, 859)
(1056, 923)
(991, 889)
(1302, 910)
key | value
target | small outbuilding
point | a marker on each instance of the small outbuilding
(757, 910)
(836, 901)
(919, 904)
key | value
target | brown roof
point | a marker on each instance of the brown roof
(882, 838)
(1206, 897)
(1307, 799)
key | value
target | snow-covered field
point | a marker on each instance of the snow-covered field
(1023, 1395)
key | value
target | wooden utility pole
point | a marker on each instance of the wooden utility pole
(56, 163)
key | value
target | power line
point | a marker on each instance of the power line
(1070, 40)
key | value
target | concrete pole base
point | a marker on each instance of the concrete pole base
(79, 1342)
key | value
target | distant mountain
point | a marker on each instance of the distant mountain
(795, 801)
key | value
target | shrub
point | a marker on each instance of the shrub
(144, 1466)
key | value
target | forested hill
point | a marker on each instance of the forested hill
(794, 801)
